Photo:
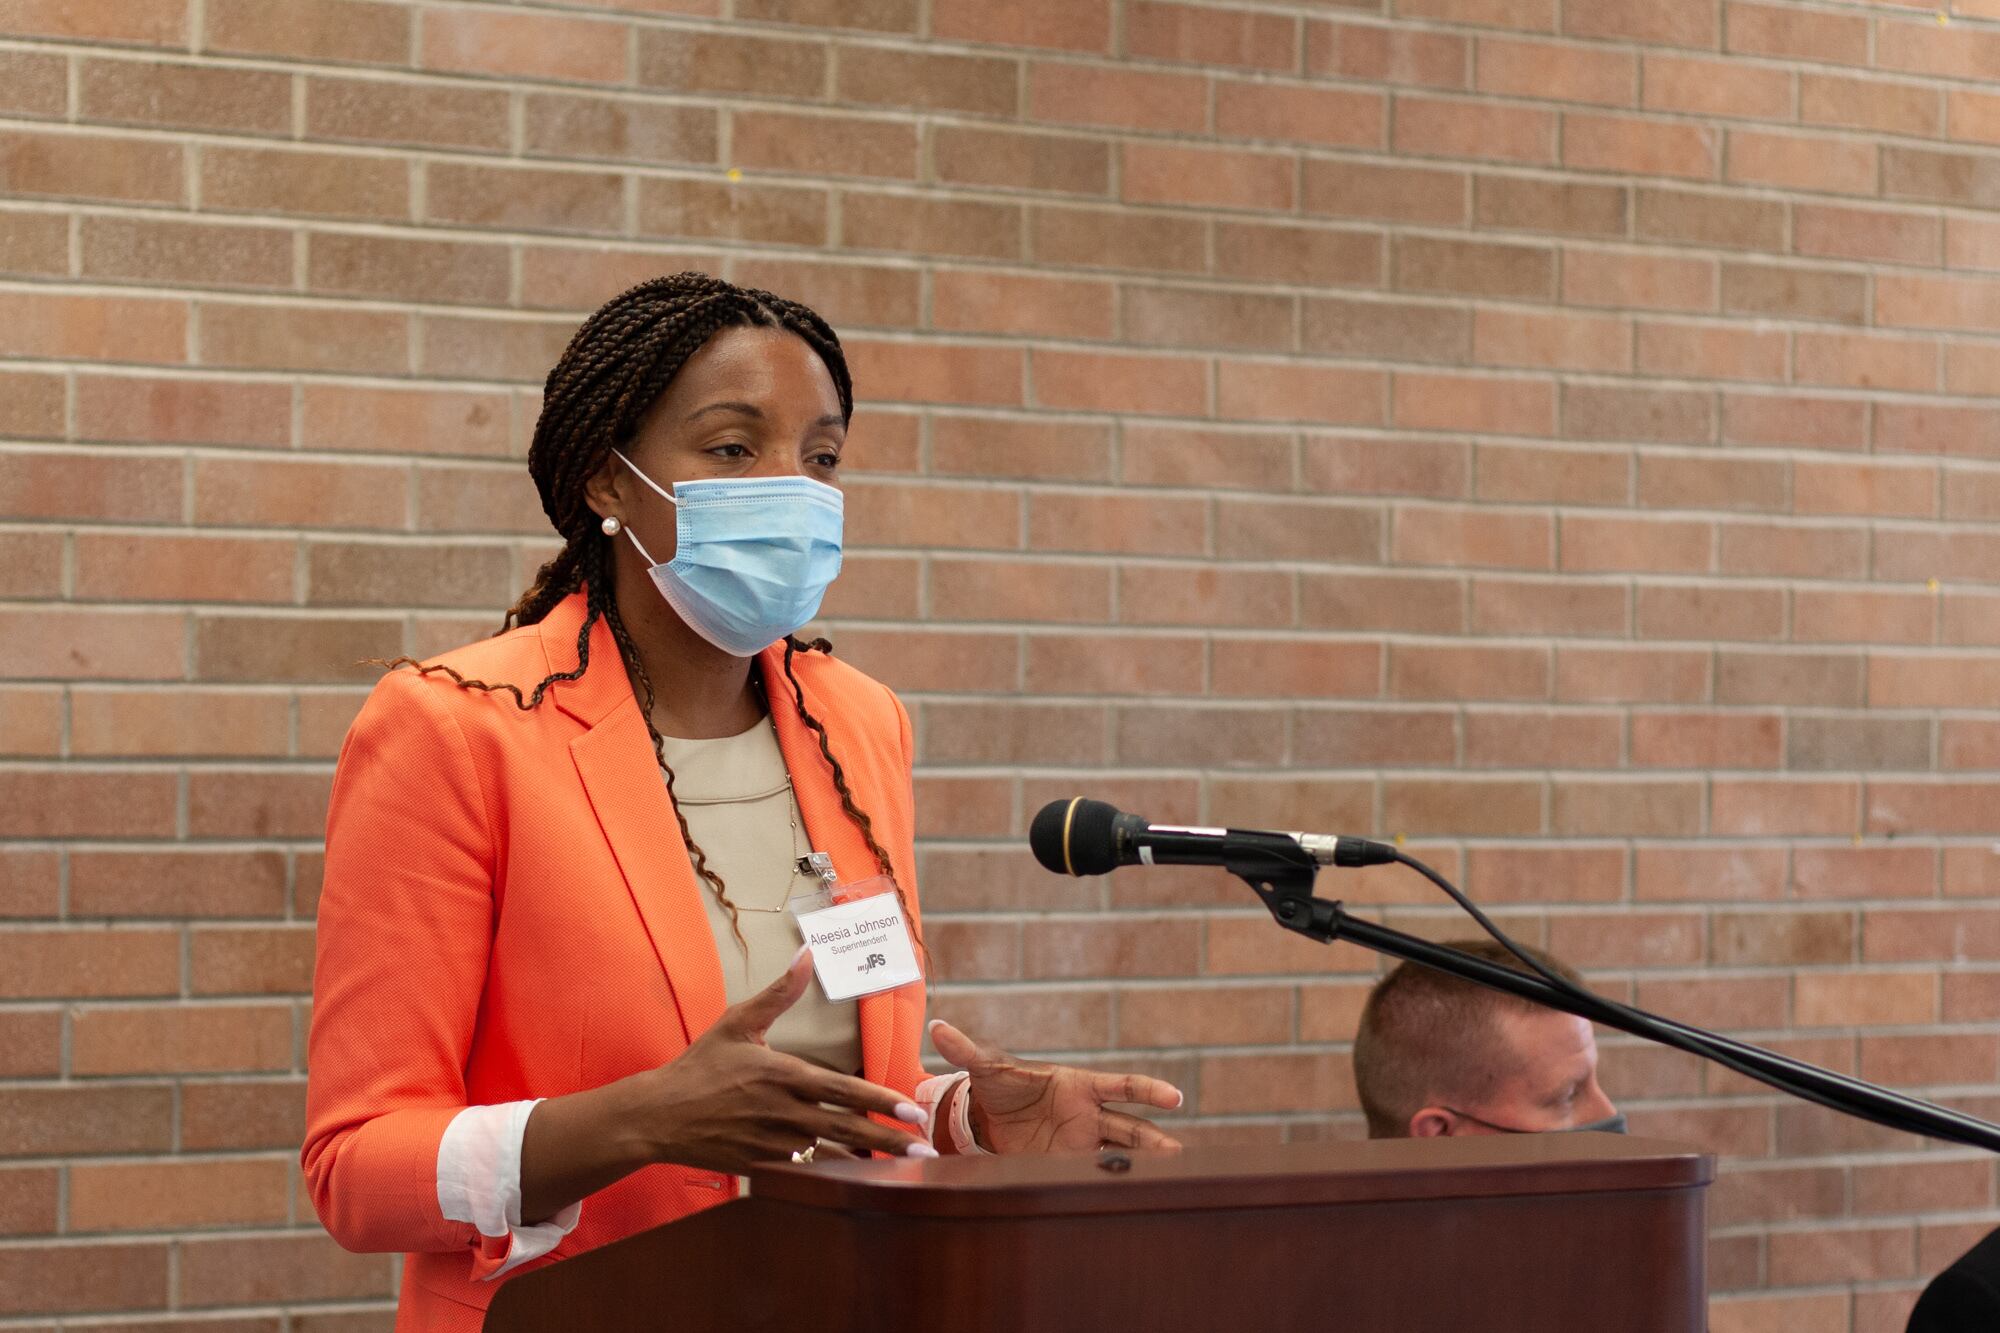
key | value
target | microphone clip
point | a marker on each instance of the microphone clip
(1281, 873)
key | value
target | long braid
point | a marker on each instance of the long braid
(553, 581)
(794, 646)
(590, 561)
(630, 651)
(616, 366)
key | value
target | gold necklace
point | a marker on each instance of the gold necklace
(792, 858)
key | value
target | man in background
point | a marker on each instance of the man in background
(1436, 1055)
(1964, 1296)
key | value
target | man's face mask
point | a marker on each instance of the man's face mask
(752, 555)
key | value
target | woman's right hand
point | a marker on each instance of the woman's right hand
(730, 1100)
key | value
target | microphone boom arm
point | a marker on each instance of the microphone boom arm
(1281, 873)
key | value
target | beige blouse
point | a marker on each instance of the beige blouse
(737, 799)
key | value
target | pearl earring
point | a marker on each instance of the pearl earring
(610, 525)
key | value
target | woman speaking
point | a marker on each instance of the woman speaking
(560, 994)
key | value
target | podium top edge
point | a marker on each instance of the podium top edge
(1291, 1175)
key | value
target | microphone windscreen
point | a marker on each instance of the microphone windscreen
(1076, 837)
(1045, 836)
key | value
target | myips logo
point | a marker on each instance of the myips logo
(873, 961)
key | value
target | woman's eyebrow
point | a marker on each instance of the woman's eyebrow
(752, 410)
(742, 409)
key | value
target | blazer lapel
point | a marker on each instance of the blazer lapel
(621, 776)
(615, 760)
(829, 829)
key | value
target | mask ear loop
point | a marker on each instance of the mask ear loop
(1504, 1129)
(644, 554)
(665, 494)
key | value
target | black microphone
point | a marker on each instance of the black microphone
(1085, 837)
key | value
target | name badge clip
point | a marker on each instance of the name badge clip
(860, 944)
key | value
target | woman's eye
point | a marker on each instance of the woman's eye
(730, 450)
(826, 458)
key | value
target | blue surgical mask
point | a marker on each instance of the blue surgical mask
(1611, 1124)
(752, 555)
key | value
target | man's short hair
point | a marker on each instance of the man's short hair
(1427, 1035)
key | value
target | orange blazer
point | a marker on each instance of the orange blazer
(509, 912)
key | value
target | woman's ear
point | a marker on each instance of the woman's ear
(601, 491)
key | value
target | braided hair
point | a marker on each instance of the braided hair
(615, 368)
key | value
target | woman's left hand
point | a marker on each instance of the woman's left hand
(1029, 1106)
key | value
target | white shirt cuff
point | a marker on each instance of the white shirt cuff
(479, 1181)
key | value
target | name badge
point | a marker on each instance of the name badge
(861, 944)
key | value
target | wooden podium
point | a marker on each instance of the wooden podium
(1469, 1235)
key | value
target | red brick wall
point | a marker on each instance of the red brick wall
(1555, 431)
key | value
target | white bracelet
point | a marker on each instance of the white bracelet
(962, 1137)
